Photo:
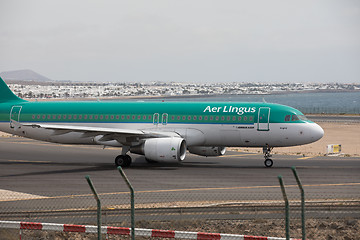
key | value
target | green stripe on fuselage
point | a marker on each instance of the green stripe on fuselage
(143, 112)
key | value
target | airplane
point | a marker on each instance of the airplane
(160, 131)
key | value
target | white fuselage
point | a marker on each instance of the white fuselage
(246, 135)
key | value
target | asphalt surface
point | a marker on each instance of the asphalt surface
(54, 177)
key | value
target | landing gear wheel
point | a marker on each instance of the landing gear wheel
(268, 162)
(123, 161)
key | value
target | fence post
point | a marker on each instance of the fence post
(98, 205)
(287, 227)
(132, 202)
(303, 228)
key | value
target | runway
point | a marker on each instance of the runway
(37, 175)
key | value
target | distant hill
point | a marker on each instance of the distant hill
(23, 75)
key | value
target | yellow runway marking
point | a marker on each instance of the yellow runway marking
(192, 189)
(305, 157)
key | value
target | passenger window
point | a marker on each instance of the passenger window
(287, 118)
(294, 118)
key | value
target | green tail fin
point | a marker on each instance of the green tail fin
(6, 95)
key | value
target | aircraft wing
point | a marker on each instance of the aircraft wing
(99, 130)
(104, 134)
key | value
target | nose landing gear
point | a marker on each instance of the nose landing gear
(268, 162)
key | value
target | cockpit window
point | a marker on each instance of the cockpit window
(294, 118)
(303, 118)
(287, 118)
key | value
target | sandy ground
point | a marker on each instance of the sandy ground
(346, 134)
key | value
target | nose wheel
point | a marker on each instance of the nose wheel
(268, 162)
(123, 161)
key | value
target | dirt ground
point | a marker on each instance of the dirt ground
(327, 229)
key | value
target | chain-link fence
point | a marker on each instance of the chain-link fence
(239, 210)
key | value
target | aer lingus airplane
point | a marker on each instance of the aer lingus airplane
(161, 131)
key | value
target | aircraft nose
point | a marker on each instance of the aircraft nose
(316, 132)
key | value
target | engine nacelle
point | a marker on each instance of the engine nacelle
(207, 151)
(170, 149)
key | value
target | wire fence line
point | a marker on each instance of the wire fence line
(236, 210)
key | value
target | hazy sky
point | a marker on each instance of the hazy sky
(190, 41)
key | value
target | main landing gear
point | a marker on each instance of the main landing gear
(268, 162)
(123, 160)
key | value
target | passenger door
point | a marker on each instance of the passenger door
(263, 119)
(15, 115)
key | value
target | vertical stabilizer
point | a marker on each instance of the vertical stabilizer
(6, 95)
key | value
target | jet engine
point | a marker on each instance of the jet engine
(207, 151)
(170, 149)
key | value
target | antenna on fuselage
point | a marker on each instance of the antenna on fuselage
(264, 100)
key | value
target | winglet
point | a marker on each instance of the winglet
(6, 95)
